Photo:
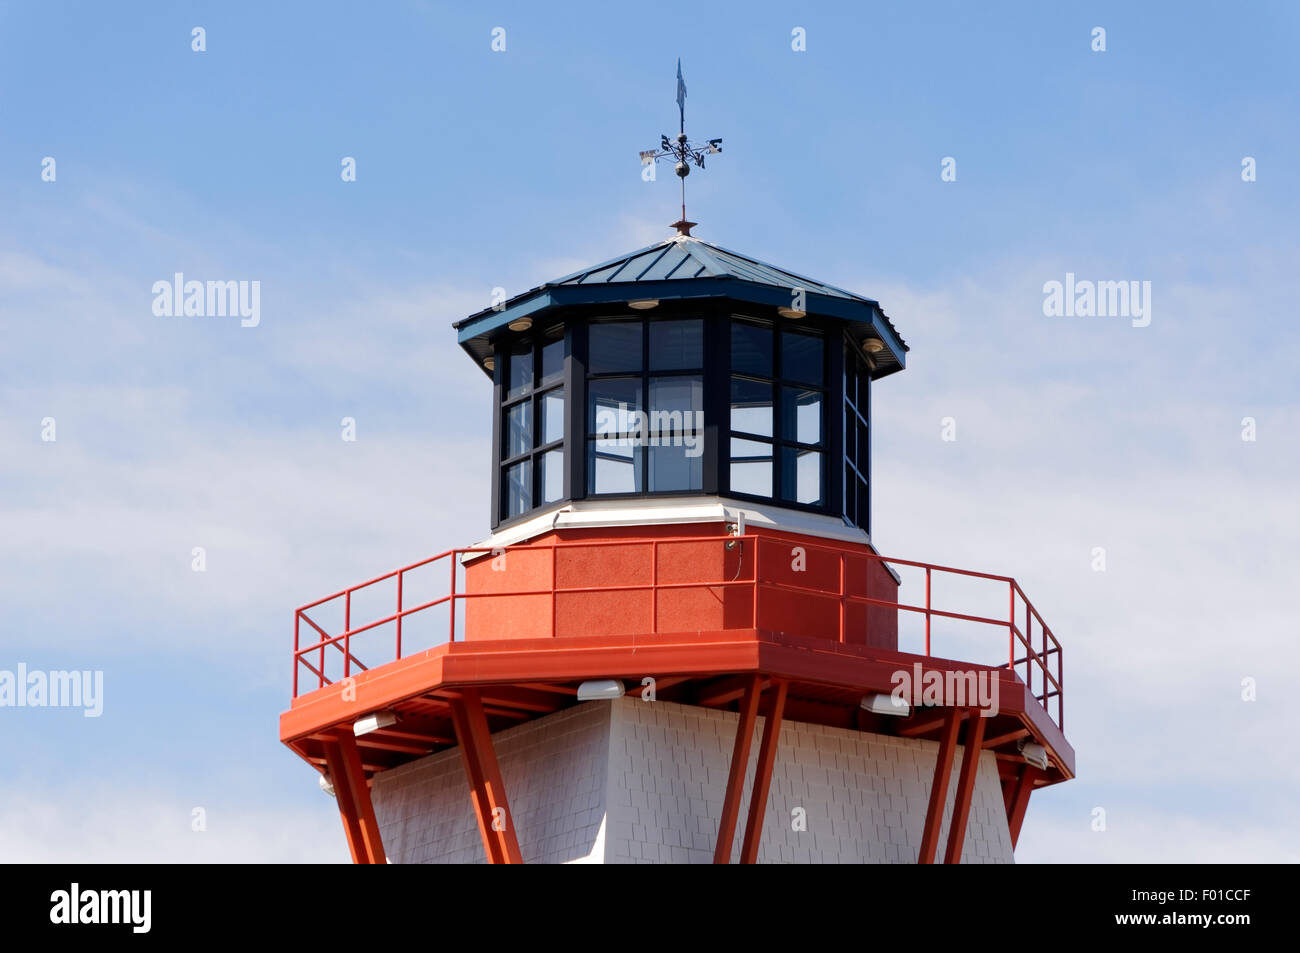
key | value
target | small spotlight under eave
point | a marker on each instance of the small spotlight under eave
(520, 324)
(873, 345)
(373, 722)
(643, 304)
(792, 313)
(600, 689)
(879, 703)
(1034, 754)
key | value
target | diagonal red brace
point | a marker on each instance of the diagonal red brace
(970, 763)
(487, 792)
(736, 775)
(939, 786)
(343, 761)
(763, 776)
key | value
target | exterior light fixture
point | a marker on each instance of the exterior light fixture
(873, 345)
(373, 722)
(327, 786)
(1034, 753)
(490, 363)
(600, 689)
(878, 703)
(520, 324)
(644, 304)
(794, 313)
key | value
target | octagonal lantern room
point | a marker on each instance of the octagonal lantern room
(683, 370)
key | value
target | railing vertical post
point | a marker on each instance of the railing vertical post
(555, 596)
(654, 585)
(842, 594)
(1047, 665)
(400, 574)
(927, 611)
(297, 620)
(451, 601)
(347, 633)
(1060, 689)
(757, 547)
(1011, 628)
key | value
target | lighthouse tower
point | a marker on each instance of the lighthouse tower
(679, 642)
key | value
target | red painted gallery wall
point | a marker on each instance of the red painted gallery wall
(511, 593)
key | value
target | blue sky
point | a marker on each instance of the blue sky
(478, 169)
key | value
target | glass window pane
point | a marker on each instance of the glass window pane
(801, 357)
(519, 488)
(552, 476)
(521, 372)
(552, 416)
(751, 349)
(613, 466)
(676, 467)
(552, 362)
(863, 446)
(850, 435)
(801, 415)
(519, 429)
(850, 496)
(614, 346)
(613, 406)
(751, 407)
(801, 475)
(675, 414)
(850, 377)
(862, 505)
(751, 467)
(676, 345)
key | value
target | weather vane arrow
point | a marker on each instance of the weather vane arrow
(682, 151)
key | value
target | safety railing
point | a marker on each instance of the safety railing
(1039, 666)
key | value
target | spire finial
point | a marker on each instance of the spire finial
(683, 151)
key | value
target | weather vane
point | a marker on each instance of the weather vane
(683, 151)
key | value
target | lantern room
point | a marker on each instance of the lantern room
(683, 370)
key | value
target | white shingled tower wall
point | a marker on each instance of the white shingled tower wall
(631, 781)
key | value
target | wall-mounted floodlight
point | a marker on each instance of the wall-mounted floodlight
(326, 786)
(600, 689)
(1034, 753)
(878, 703)
(373, 722)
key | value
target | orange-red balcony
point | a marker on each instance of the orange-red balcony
(693, 616)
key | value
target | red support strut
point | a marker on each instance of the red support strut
(970, 763)
(939, 787)
(736, 775)
(1019, 801)
(763, 776)
(487, 792)
(353, 795)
